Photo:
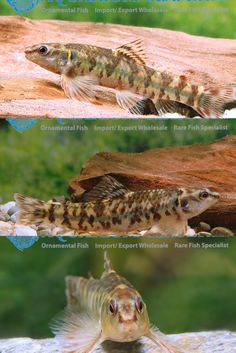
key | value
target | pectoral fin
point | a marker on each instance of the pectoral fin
(77, 333)
(79, 87)
(159, 338)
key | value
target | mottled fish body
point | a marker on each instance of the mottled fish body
(110, 208)
(83, 67)
(105, 309)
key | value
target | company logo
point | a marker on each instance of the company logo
(21, 6)
(23, 124)
(21, 243)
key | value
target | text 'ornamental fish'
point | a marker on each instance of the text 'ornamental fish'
(108, 309)
(83, 67)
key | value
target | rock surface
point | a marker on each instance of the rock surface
(207, 342)
(26, 90)
(211, 165)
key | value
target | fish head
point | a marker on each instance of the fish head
(124, 316)
(192, 202)
(51, 56)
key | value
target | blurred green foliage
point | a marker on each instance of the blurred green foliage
(214, 18)
(184, 289)
(40, 162)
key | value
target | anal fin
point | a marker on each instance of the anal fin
(147, 107)
(168, 106)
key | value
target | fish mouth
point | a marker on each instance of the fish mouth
(129, 327)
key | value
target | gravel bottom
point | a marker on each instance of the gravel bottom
(9, 226)
(194, 342)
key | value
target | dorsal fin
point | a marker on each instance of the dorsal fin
(134, 50)
(107, 262)
(107, 188)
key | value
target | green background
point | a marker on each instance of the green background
(214, 18)
(40, 163)
(184, 289)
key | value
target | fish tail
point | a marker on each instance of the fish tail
(212, 101)
(31, 211)
(107, 262)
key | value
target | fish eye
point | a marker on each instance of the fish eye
(113, 308)
(204, 194)
(139, 305)
(43, 50)
(184, 203)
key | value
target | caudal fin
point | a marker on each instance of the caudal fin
(213, 100)
(31, 211)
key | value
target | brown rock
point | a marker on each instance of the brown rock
(26, 90)
(211, 165)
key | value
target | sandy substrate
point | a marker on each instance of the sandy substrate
(26, 90)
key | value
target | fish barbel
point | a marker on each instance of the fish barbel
(110, 208)
(109, 308)
(83, 67)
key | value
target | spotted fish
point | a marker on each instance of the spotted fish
(83, 67)
(109, 309)
(110, 208)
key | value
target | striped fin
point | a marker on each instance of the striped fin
(77, 332)
(107, 188)
(31, 211)
(134, 51)
(213, 100)
(79, 87)
(163, 106)
(168, 106)
(156, 336)
(128, 100)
